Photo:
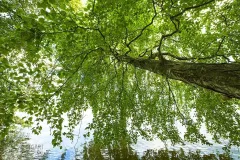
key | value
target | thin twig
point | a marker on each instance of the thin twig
(143, 54)
(220, 45)
(174, 99)
(190, 8)
(79, 131)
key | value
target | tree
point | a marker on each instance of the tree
(150, 62)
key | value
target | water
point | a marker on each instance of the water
(72, 148)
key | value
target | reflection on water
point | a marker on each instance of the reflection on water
(93, 151)
(14, 146)
(17, 145)
(56, 154)
(126, 152)
(81, 146)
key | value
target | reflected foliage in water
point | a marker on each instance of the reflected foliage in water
(181, 155)
(14, 146)
(92, 151)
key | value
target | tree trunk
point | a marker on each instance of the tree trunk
(223, 78)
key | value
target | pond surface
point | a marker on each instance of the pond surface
(71, 149)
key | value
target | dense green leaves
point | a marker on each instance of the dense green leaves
(64, 57)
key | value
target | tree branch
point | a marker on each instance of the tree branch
(190, 8)
(142, 30)
(159, 54)
(220, 45)
(200, 58)
(195, 58)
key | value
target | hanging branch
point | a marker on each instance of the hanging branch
(76, 70)
(174, 99)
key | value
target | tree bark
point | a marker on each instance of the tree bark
(223, 78)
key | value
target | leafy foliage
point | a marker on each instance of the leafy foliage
(62, 57)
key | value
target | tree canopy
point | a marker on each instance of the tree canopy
(140, 65)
